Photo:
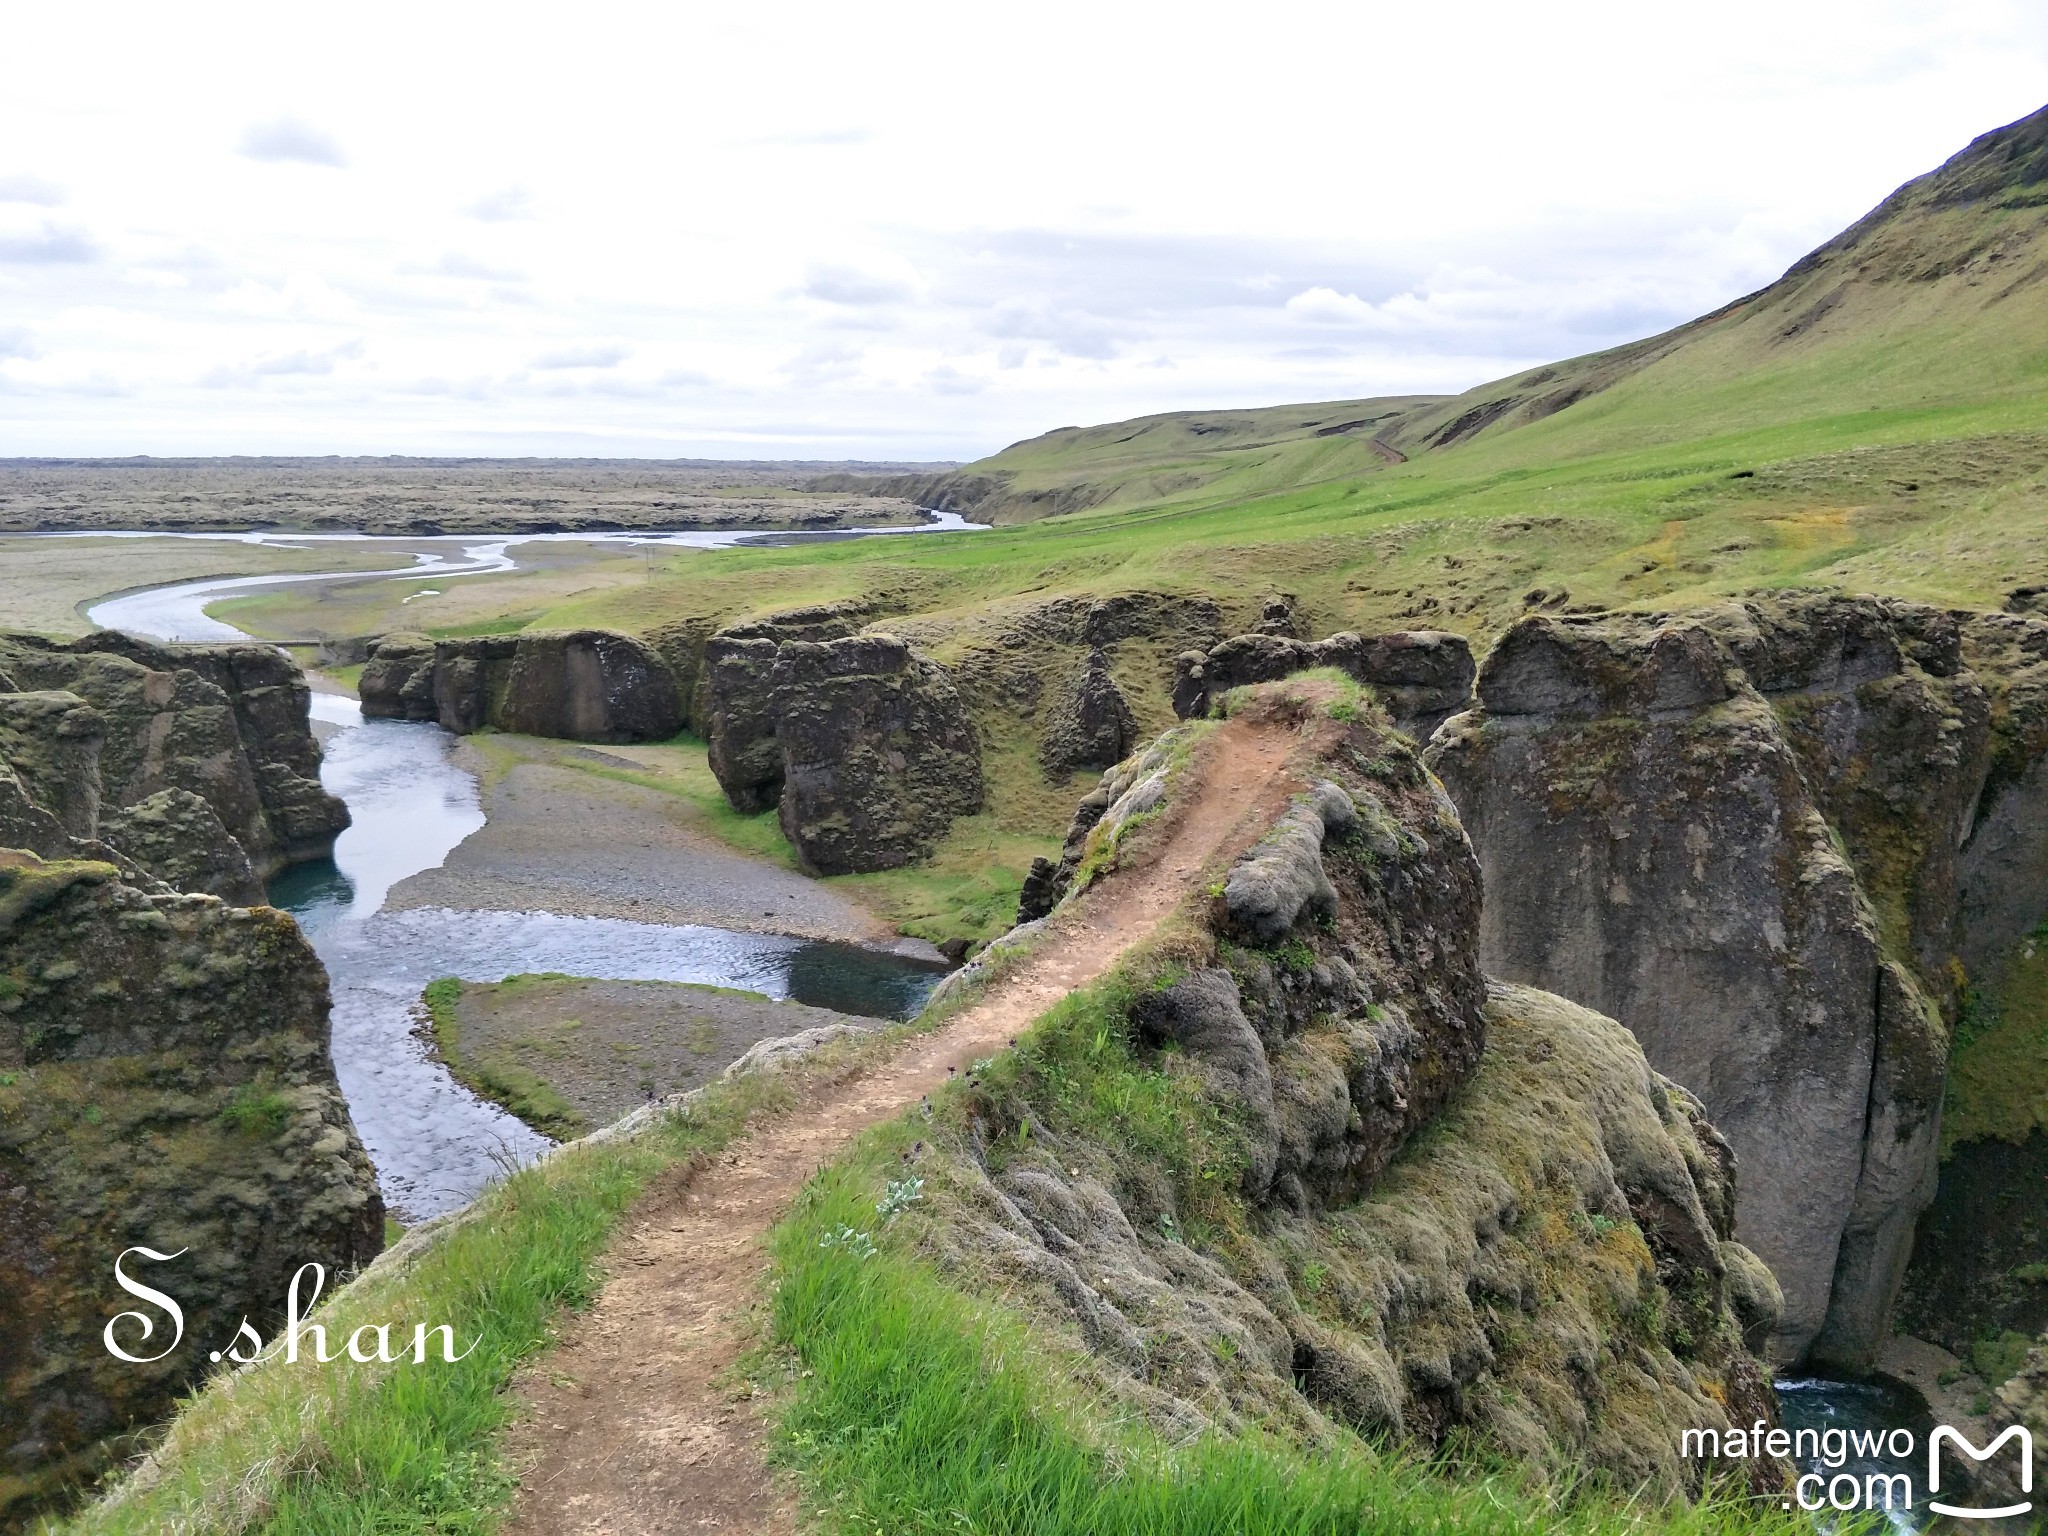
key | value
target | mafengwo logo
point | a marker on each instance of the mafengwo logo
(1944, 1434)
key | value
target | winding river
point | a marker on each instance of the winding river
(434, 1143)
(178, 612)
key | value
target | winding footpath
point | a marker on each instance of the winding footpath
(626, 1429)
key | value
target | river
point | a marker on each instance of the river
(178, 612)
(434, 1143)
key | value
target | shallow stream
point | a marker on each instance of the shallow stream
(435, 1144)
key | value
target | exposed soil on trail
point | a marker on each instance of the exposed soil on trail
(627, 1429)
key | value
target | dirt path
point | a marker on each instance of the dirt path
(627, 1431)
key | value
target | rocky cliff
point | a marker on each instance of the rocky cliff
(1351, 1182)
(164, 1082)
(1090, 724)
(580, 685)
(1760, 835)
(878, 754)
(195, 765)
(1421, 676)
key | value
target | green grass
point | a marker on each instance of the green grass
(257, 1110)
(915, 1409)
(341, 1448)
(969, 887)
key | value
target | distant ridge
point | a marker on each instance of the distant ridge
(334, 461)
(1933, 298)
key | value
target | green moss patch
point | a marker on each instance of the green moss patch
(1998, 1072)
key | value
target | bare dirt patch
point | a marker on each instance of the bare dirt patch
(558, 839)
(628, 1430)
(607, 1047)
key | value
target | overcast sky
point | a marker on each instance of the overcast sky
(907, 231)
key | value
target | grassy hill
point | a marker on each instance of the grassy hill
(1877, 420)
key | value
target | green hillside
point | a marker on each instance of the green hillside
(1877, 420)
(1932, 303)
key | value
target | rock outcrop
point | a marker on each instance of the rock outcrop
(579, 685)
(1755, 834)
(861, 741)
(1450, 1209)
(164, 1082)
(1421, 676)
(1091, 724)
(878, 753)
(177, 838)
(195, 764)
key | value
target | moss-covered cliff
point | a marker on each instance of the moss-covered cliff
(1773, 838)
(1299, 1168)
(164, 1082)
(196, 764)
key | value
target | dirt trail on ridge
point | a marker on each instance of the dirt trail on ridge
(627, 1431)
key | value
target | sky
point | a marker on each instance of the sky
(907, 231)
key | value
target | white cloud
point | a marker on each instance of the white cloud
(1326, 306)
(15, 341)
(282, 365)
(503, 205)
(817, 138)
(455, 264)
(48, 246)
(548, 238)
(30, 189)
(290, 139)
(583, 357)
(853, 287)
(948, 380)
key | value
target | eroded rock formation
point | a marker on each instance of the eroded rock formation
(580, 685)
(195, 765)
(878, 753)
(1452, 1208)
(1091, 724)
(164, 1082)
(1421, 676)
(1758, 835)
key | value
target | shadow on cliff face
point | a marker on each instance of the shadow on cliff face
(1762, 835)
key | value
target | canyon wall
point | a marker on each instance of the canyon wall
(193, 764)
(580, 685)
(1761, 835)
(1449, 1208)
(164, 1070)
